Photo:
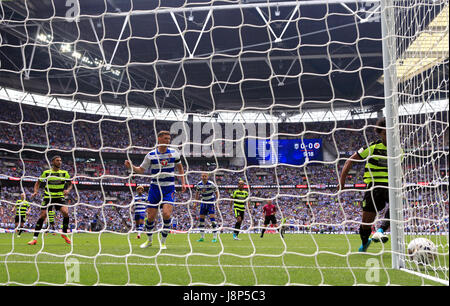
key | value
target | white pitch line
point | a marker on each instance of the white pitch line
(202, 265)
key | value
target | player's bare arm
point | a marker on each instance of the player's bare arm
(181, 174)
(135, 169)
(69, 188)
(197, 196)
(345, 170)
(36, 189)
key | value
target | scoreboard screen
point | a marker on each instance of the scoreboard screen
(282, 151)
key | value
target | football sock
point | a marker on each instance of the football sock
(37, 228)
(364, 233)
(149, 226)
(166, 229)
(65, 224)
(386, 223)
(214, 226)
(237, 226)
(202, 227)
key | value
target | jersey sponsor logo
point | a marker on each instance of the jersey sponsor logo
(164, 162)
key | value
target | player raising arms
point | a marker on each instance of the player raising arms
(162, 162)
(55, 191)
(209, 193)
(239, 200)
(140, 204)
(376, 178)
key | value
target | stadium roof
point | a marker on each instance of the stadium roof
(197, 56)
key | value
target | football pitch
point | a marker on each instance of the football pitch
(117, 259)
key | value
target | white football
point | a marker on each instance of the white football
(376, 237)
(422, 251)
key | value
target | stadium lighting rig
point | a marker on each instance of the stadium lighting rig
(427, 50)
(84, 57)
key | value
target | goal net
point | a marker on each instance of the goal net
(276, 94)
(422, 77)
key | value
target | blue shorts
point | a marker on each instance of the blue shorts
(160, 195)
(207, 209)
(139, 216)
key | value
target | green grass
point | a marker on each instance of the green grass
(116, 259)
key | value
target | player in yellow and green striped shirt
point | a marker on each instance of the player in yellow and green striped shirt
(57, 187)
(376, 178)
(239, 202)
(22, 209)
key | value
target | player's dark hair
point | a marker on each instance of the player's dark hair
(380, 125)
(163, 133)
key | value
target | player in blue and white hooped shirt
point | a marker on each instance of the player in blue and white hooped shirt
(140, 207)
(162, 163)
(208, 192)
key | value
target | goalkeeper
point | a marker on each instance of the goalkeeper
(269, 211)
(376, 178)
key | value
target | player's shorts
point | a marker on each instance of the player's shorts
(20, 219)
(270, 219)
(239, 212)
(375, 200)
(158, 196)
(139, 216)
(49, 203)
(207, 209)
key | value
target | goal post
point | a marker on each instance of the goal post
(392, 130)
(415, 65)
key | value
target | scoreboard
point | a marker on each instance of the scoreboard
(283, 151)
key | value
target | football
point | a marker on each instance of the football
(379, 237)
(422, 251)
(376, 237)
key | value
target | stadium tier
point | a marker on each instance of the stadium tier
(237, 142)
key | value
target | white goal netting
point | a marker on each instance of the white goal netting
(422, 75)
(277, 94)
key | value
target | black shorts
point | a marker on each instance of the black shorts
(49, 204)
(269, 219)
(238, 213)
(375, 200)
(19, 218)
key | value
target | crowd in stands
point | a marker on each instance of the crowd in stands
(56, 129)
(318, 209)
(93, 210)
(114, 209)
